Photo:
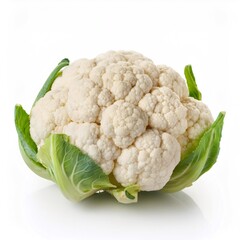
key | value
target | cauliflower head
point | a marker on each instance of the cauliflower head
(128, 114)
(133, 118)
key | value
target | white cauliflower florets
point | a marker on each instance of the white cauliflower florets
(126, 81)
(149, 162)
(82, 104)
(171, 79)
(123, 122)
(199, 118)
(49, 114)
(128, 114)
(166, 112)
(80, 68)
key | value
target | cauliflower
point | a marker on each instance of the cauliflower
(118, 123)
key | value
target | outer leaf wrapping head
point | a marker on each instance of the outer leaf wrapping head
(27, 146)
(76, 173)
(200, 160)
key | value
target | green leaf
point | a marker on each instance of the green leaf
(125, 195)
(27, 146)
(49, 82)
(77, 175)
(191, 82)
(200, 160)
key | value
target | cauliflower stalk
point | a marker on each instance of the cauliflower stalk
(121, 124)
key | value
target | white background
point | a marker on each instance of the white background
(36, 35)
